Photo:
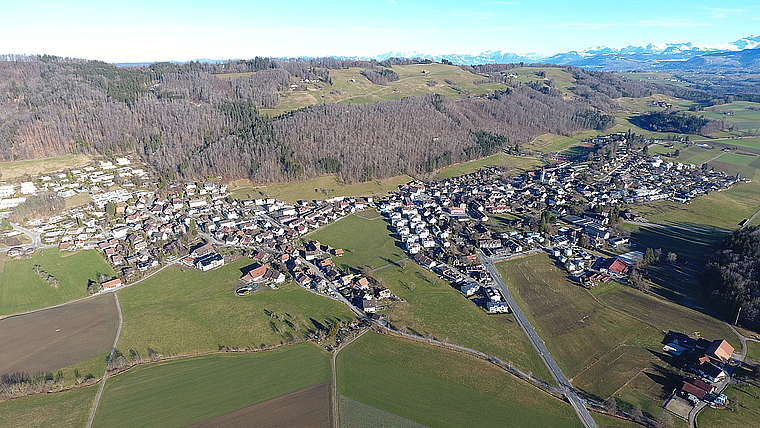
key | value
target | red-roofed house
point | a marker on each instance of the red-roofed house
(255, 275)
(110, 285)
(614, 265)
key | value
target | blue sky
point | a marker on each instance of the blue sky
(141, 30)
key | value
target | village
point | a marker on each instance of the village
(568, 209)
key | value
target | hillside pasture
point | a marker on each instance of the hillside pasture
(663, 315)
(688, 244)
(324, 187)
(54, 338)
(187, 391)
(182, 311)
(511, 164)
(21, 289)
(443, 388)
(349, 86)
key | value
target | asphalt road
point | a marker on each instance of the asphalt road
(556, 372)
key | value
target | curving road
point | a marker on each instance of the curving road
(567, 389)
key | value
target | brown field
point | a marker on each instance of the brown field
(55, 338)
(307, 408)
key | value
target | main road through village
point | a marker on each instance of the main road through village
(562, 381)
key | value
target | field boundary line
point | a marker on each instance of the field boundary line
(110, 358)
(334, 386)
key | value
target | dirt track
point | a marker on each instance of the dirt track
(307, 408)
(55, 338)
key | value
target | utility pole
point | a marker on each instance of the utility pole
(737, 316)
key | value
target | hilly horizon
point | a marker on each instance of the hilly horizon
(649, 56)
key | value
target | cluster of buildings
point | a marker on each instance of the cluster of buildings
(90, 179)
(709, 363)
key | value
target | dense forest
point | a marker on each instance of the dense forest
(683, 123)
(188, 122)
(732, 277)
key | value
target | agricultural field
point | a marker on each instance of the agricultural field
(431, 305)
(324, 187)
(178, 393)
(718, 210)
(69, 409)
(355, 414)
(428, 385)
(663, 315)
(54, 338)
(14, 170)
(740, 114)
(577, 329)
(307, 408)
(688, 244)
(182, 311)
(22, 289)
(655, 77)
(608, 340)
(351, 87)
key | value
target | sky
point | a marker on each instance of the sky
(181, 30)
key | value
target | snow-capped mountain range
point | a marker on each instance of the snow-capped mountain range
(601, 56)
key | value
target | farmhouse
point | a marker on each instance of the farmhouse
(720, 350)
(111, 284)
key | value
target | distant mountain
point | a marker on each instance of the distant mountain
(748, 59)
(651, 56)
(658, 56)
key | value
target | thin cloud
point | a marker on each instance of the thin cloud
(672, 23)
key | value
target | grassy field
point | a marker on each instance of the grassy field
(605, 338)
(663, 315)
(185, 311)
(655, 77)
(753, 351)
(13, 170)
(307, 408)
(723, 210)
(698, 155)
(562, 79)
(355, 414)
(21, 289)
(327, 186)
(431, 306)
(577, 329)
(69, 409)
(442, 388)
(367, 243)
(54, 338)
(350, 86)
(514, 164)
(191, 390)
(688, 244)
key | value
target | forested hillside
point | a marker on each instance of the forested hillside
(188, 122)
(732, 277)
